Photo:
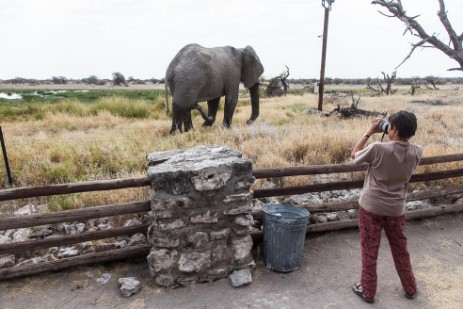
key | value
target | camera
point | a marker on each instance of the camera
(383, 126)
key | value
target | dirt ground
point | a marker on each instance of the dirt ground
(329, 266)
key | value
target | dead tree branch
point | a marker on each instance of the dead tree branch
(275, 85)
(454, 51)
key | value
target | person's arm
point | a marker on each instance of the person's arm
(372, 129)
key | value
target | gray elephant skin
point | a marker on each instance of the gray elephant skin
(198, 74)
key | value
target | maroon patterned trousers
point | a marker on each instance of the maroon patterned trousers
(370, 226)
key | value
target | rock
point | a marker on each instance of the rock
(221, 234)
(199, 239)
(22, 234)
(120, 244)
(205, 218)
(320, 218)
(68, 252)
(244, 220)
(415, 205)
(29, 209)
(80, 227)
(162, 259)
(53, 250)
(138, 239)
(104, 278)
(36, 260)
(242, 247)
(7, 261)
(343, 215)
(132, 222)
(257, 204)
(85, 245)
(353, 213)
(165, 280)
(9, 233)
(41, 234)
(332, 216)
(129, 286)
(240, 278)
(301, 199)
(5, 240)
(194, 261)
(104, 226)
(69, 229)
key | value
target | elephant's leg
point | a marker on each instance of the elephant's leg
(212, 107)
(229, 109)
(187, 122)
(176, 125)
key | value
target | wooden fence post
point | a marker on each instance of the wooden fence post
(5, 157)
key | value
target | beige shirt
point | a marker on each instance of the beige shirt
(390, 166)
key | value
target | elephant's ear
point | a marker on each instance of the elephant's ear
(251, 68)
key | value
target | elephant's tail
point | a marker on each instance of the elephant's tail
(167, 96)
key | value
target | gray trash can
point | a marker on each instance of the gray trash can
(284, 234)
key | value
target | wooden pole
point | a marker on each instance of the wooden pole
(5, 158)
(322, 69)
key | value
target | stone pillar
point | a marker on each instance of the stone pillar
(201, 202)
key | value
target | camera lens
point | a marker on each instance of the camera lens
(384, 126)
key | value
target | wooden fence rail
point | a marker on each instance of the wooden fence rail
(49, 242)
(144, 206)
(74, 215)
(28, 192)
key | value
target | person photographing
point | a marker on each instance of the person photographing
(382, 202)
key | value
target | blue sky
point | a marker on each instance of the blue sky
(79, 38)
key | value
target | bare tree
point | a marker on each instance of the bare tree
(276, 84)
(119, 79)
(433, 81)
(453, 49)
(413, 87)
(389, 80)
(378, 86)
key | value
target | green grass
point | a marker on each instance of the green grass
(138, 104)
(53, 96)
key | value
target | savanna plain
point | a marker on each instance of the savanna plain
(68, 136)
(75, 135)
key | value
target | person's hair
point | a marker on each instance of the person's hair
(405, 123)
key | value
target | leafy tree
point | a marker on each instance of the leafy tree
(91, 80)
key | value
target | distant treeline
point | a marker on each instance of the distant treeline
(93, 80)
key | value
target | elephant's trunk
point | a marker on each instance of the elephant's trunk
(254, 90)
(181, 120)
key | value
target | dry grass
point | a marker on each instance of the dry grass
(61, 147)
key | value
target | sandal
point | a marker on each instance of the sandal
(357, 288)
(413, 296)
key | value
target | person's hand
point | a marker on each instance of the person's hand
(374, 126)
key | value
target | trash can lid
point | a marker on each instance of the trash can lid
(285, 211)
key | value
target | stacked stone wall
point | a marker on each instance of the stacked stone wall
(201, 201)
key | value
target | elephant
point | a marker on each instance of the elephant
(198, 74)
